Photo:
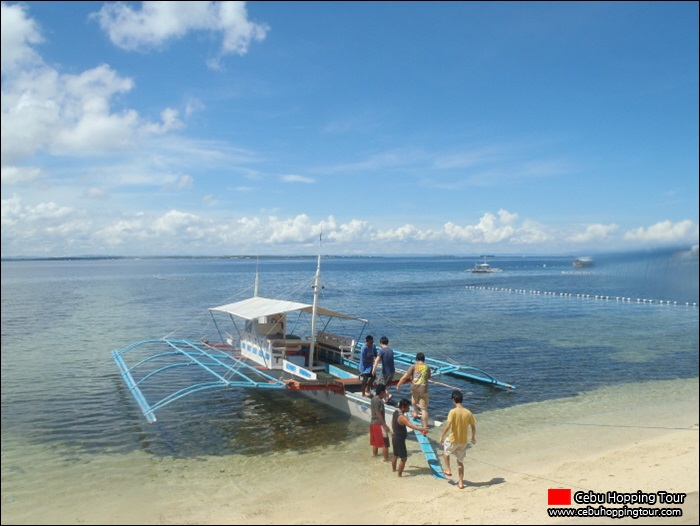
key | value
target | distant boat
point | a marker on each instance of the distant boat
(583, 262)
(483, 268)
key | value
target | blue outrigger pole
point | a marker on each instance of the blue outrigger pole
(464, 372)
(440, 367)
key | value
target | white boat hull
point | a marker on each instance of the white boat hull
(348, 403)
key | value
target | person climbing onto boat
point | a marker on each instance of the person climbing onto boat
(368, 353)
(378, 428)
(399, 423)
(459, 420)
(418, 374)
(385, 355)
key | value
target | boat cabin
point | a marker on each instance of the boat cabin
(275, 336)
(265, 341)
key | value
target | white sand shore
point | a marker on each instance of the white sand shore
(624, 439)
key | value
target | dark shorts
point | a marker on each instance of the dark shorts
(399, 447)
(367, 378)
(385, 379)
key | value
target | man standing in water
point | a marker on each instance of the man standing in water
(378, 428)
(459, 420)
(399, 423)
(385, 355)
(419, 374)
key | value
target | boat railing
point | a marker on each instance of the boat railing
(340, 345)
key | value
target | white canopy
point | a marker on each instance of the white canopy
(258, 307)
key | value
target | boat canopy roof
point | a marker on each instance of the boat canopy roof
(258, 307)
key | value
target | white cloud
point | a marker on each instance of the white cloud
(158, 23)
(468, 159)
(178, 182)
(298, 229)
(19, 34)
(531, 233)
(176, 223)
(43, 110)
(595, 232)
(665, 232)
(238, 30)
(490, 229)
(193, 106)
(402, 234)
(297, 179)
(11, 212)
(169, 121)
(125, 232)
(70, 115)
(44, 229)
(50, 211)
(95, 193)
(352, 232)
(391, 159)
(17, 175)
(52, 229)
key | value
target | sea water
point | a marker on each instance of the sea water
(549, 329)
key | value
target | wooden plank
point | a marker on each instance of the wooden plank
(428, 450)
(348, 381)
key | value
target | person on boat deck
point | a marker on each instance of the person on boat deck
(459, 420)
(378, 428)
(385, 355)
(368, 353)
(419, 374)
(399, 423)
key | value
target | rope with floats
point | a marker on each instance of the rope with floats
(619, 299)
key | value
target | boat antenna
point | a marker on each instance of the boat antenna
(255, 287)
(314, 309)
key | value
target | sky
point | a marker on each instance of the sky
(385, 128)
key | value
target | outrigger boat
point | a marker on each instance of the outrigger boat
(267, 353)
(483, 268)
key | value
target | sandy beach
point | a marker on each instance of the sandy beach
(641, 437)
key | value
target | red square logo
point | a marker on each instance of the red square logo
(559, 497)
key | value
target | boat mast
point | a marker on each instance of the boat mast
(314, 309)
(255, 288)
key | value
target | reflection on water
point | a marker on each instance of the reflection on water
(250, 422)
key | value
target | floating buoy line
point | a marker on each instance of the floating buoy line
(583, 296)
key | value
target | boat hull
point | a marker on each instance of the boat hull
(348, 403)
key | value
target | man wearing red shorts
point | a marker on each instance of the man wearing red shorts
(378, 428)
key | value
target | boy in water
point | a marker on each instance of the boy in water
(399, 423)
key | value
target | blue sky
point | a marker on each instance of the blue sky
(216, 128)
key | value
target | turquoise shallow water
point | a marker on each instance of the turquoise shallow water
(60, 320)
